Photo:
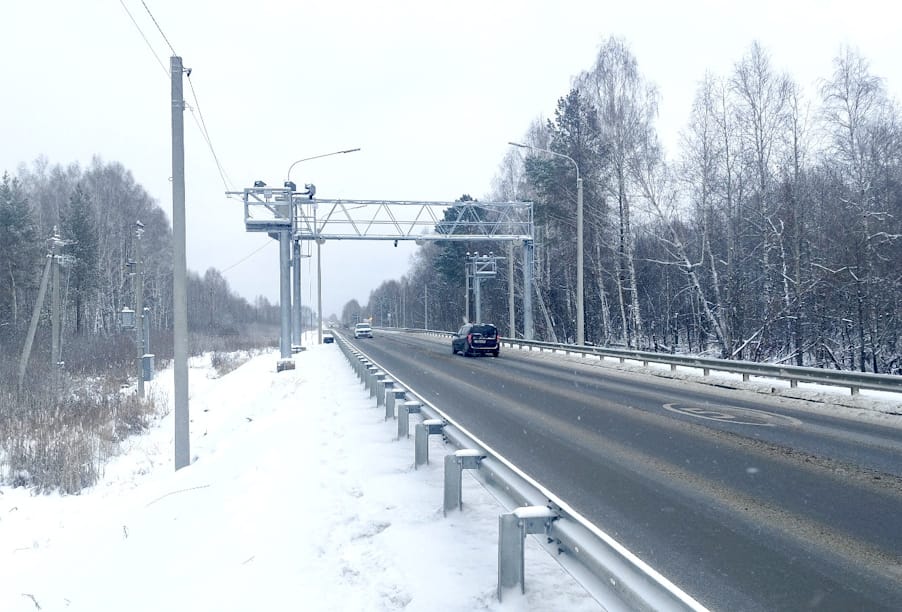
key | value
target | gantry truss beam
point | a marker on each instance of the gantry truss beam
(268, 210)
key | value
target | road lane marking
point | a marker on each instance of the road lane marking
(733, 414)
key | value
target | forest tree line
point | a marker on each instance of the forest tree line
(773, 232)
(94, 212)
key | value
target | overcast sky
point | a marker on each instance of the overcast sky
(430, 92)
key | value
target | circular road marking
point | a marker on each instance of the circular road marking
(732, 414)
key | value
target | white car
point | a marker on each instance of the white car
(363, 330)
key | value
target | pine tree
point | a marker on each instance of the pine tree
(20, 255)
(80, 226)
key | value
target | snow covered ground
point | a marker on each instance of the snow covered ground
(298, 498)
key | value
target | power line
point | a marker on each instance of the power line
(202, 124)
(141, 32)
(159, 29)
(248, 256)
(206, 134)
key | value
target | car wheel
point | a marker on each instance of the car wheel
(453, 350)
(496, 352)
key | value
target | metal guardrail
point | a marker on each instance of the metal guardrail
(855, 381)
(614, 576)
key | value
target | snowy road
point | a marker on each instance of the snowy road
(745, 501)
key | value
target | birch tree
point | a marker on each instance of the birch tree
(762, 97)
(626, 107)
(864, 148)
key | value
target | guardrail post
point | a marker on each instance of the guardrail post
(362, 366)
(421, 439)
(384, 387)
(512, 531)
(405, 410)
(392, 397)
(378, 378)
(464, 459)
(370, 377)
(510, 553)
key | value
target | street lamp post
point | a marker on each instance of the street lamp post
(297, 250)
(580, 306)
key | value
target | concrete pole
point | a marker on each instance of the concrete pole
(35, 315)
(179, 269)
(55, 312)
(139, 307)
(580, 289)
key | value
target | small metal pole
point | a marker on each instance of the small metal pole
(384, 389)
(464, 459)
(513, 529)
(510, 553)
(378, 377)
(421, 445)
(392, 398)
(423, 431)
(453, 484)
(370, 376)
(407, 408)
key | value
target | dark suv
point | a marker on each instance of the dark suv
(476, 338)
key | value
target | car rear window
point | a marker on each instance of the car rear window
(487, 331)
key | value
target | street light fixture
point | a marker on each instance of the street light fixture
(288, 177)
(311, 191)
(580, 306)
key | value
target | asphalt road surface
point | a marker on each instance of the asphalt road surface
(745, 502)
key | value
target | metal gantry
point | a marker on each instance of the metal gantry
(291, 216)
(478, 268)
